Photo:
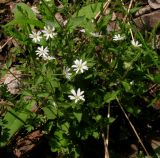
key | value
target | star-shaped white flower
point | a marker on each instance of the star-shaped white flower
(76, 96)
(35, 36)
(49, 58)
(79, 66)
(67, 73)
(49, 32)
(118, 37)
(96, 34)
(82, 30)
(42, 52)
(136, 43)
(35, 10)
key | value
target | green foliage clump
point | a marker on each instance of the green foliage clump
(76, 73)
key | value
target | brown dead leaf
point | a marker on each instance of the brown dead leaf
(12, 80)
(148, 21)
(26, 144)
(155, 143)
(155, 4)
(146, 9)
(59, 18)
(4, 1)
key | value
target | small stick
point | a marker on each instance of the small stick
(129, 8)
(134, 130)
(108, 116)
(105, 6)
(124, 19)
(1, 47)
(131, 32)
(105, 140)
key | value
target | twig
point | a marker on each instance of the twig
(1, 47)
(131, 32)
(108, 116)
(124, 19)
(134, 130)
(105, 146)
(106, 139)
(129, 8)
(105, 6)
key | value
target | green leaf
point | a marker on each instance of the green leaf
(126, 86)
(27, 93)
(134, 10)
(133, 110)
(111, 120)
(110, 96)
(9, 62)
(3, 72)
(60, 142)
(80, 21)
(50, 112)
(90, 10)
(43, 95)
(96, 135)
(24, 21)
(98, 117)
(83, 18)
(39, 80)
(22, 10)
(14, 120)
(157, 78)
(65, 127)
(23, 15)
(76, 154)
(78, 116)
(104, 21)
(54, 83)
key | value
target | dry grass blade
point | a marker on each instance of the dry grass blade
(106, 139)
(124, 19)
(1, 47)
(105, 6)
(128, 10)
(134, 130)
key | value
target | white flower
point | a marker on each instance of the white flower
(96, 34)
(79, 66)
(135, 43)
(36, 36)
(82, 30)
(42, 52)
(49, 57)
(92, 21)
(67, 73)
(118, 37)
(35, 10)
(131, 83)
(77, 96)
(65, 22)
(127, 65)
(49, 32)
